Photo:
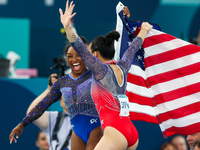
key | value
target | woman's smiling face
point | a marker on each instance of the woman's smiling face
(75, 63)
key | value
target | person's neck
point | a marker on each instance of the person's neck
(75, 76)
(104, 60)
(98, 55)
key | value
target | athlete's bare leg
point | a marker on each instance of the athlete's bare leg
(93, 138)
(77, 143)
(114, 140)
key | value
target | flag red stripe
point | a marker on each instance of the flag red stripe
(177, 73)
(137, 80)
(170, 55)
(134, 98)
(173, 96)
(178, 93)
(143, 117)
(180, 112)
(157, 39)
(190, 129)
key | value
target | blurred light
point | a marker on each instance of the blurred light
(3, 2)
(49, 2)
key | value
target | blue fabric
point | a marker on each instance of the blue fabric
(83, 130)
(127, 37)
(76, 95)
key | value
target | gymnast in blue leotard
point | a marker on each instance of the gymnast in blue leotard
(75, 89)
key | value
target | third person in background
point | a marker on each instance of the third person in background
(192, 138)
(180, 142)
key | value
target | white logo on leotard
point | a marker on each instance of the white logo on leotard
(102, 121)
(93, 120)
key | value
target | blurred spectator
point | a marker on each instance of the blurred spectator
(198, 38)
(180, 142)
(168, 146)
(41, 141)
(195, 41)
(197, 144)
(56, 125)
(192, 138)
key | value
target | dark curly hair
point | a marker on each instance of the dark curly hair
(105, 44)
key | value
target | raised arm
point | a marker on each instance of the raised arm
(65, 19)
(129, 54)
(93, 63)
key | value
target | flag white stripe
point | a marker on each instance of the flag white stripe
(119, 28)
(168, 86)
(136, 70)
(178, 103)
(173, 64)
(183, 121)
(144, 109)
(176, 83)
(153, 32)
(139, 90)
(164, 47)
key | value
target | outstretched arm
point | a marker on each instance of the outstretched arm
(129, 54)
(53, 96)
(43, 121)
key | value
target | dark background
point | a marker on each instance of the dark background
(94, 18)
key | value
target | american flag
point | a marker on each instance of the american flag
(164, 80)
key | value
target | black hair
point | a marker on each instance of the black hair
(105, 44)
(69, 45)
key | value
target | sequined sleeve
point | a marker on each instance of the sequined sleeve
(93, 63)
(53, 96)
(127, 58)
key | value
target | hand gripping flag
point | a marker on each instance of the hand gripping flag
(166, 89)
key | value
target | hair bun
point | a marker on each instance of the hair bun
(111, 36)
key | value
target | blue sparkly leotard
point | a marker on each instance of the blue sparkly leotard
(77, 97)
(105, 88)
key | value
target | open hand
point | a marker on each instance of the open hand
(67, 16)
(17, 130)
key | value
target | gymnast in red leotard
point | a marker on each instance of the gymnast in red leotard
(108, 83)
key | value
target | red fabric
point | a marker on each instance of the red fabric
(108, 108)
(172, 73)
(171, 85)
